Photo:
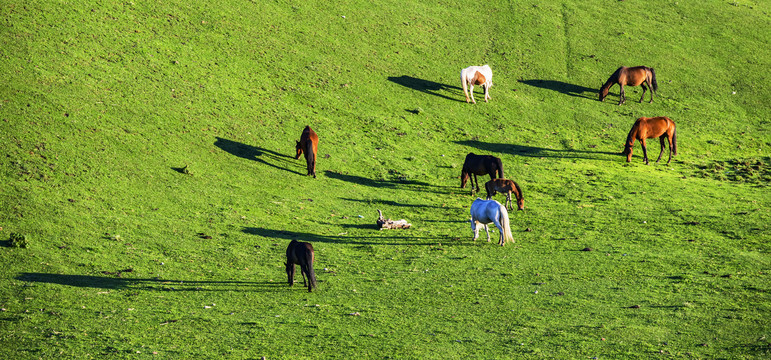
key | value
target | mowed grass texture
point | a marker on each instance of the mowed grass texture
(148, 158)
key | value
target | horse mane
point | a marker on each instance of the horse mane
(614, 77)
(519, 191)
(630, 138)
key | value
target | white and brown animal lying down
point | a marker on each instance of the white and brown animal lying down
(507, 187)
(476, 75)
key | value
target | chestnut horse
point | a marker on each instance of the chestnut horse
(300, 253)
(480, 165)
(476, 75)
(633, 76)
(647, 128)
(308, 144)
(506, 186)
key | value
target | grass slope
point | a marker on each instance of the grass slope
(106, 106)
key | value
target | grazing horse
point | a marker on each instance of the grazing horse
(480, 165)
(476, 75)
(300, 253)
(308, 144)
(632, 76)
(490, 211)
(506, 186)
(647, 128)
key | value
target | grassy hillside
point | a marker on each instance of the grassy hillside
(149, 161)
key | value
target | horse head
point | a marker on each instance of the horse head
(464, 176)
(603, 92)
(628, 152)
(299, 150)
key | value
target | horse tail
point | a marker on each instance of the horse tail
(308, 268)
(654, 83)
(499, 163)
(310, 157)
(311, 275)
(674, 138)
(504, 219)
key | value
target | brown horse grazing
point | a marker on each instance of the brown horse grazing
(633, 76)
(308, 144)
(647, 128)
(505, 186)
(480, 165)
(300, 253)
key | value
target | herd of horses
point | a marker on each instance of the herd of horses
(489, 211)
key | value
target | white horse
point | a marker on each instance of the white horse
(476, 75)
(490, 211)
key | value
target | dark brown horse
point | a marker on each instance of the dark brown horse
(300, 253)
(480, 165)
(632, 76)
(506, 186)
(308, 144)
(647, 128)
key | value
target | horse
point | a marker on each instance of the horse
(300, 253)
(490, 211)
(647, 128)
(479, 165)
(308, 144)
(506, 186)
(476, 75)
(632, 76)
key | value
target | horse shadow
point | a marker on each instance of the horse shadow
(562, 87)
(345, 239)
(153, 284)
(408, 185)
(425, 86)
(532, 151)
(390, 203)
(265, 156)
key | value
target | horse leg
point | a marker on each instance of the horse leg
(643, 94)
(475, 229)
(661, 140)
(477, 184)
(290, 273)
(497, 223)
(645, 151)
(669, 140)
(508, 201)
(488, 233)
(622, 94)
(471, 90)
(487, 93)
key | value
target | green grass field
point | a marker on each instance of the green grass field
(148, 160)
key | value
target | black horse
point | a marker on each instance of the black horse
(480, 165)
(300, 253)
